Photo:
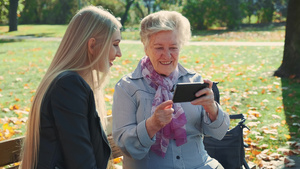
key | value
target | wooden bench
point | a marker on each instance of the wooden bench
(10, 151)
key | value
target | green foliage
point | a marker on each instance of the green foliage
(53, 12)
(195, 10)
(203, 14)
(265, 11)
(61, 11)
(114, 6)
(231, 14)
(248, 9)
(4, 10)
(206, 13)
(172, 5)
(136, 13)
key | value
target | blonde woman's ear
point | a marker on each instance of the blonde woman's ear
(91, 46)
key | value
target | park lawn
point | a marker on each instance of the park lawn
(244, 74)
(248, 34)
(35, 30)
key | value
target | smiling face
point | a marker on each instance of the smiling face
(115, 50)
(163, 51)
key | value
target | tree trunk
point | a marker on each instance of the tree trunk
(13, 18)
(290, 66)
(124, 17)
(140, 10)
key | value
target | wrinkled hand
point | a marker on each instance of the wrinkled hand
(207, 101)
(160, 118)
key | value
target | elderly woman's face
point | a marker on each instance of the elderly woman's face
(163, 51)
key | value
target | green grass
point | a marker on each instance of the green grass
(22, 66)
(252, 33)
(244, 74)
(23, 63)
(36, 30)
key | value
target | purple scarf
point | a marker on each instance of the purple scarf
(163, 86)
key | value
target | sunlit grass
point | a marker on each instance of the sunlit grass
(268, 33)
(244, 73)
(36, 30)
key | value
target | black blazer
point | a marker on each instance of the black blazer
(71, 135)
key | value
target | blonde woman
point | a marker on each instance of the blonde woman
(64, 129)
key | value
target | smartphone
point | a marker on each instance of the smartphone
(185, 92)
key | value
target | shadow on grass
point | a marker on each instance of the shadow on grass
(20, 38)
(244, 28)
(291, 103)
(10, 40)
(38, 35)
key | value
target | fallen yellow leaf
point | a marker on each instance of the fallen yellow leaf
(287, 136)
(109, 112)
(117, 160)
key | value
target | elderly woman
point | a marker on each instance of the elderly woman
(151, 130)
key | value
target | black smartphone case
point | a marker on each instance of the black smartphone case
(185, 92)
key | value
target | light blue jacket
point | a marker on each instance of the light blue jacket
(132, 106)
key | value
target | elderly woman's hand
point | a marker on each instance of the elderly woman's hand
(160, 118)
(207, 101)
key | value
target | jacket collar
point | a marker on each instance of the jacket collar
(137, 73)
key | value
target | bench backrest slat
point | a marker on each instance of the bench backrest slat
(10, 150)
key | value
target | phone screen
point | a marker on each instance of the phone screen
(185, 92)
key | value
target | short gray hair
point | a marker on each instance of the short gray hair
(165, 21)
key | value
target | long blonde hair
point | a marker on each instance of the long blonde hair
(72, 54)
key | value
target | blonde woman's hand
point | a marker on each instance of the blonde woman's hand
(160, 118)
(207, 101)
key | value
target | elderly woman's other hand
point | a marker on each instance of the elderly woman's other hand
(207, 101)
(160, 118)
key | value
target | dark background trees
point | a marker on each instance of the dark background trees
(203, 14)
(45, 12)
